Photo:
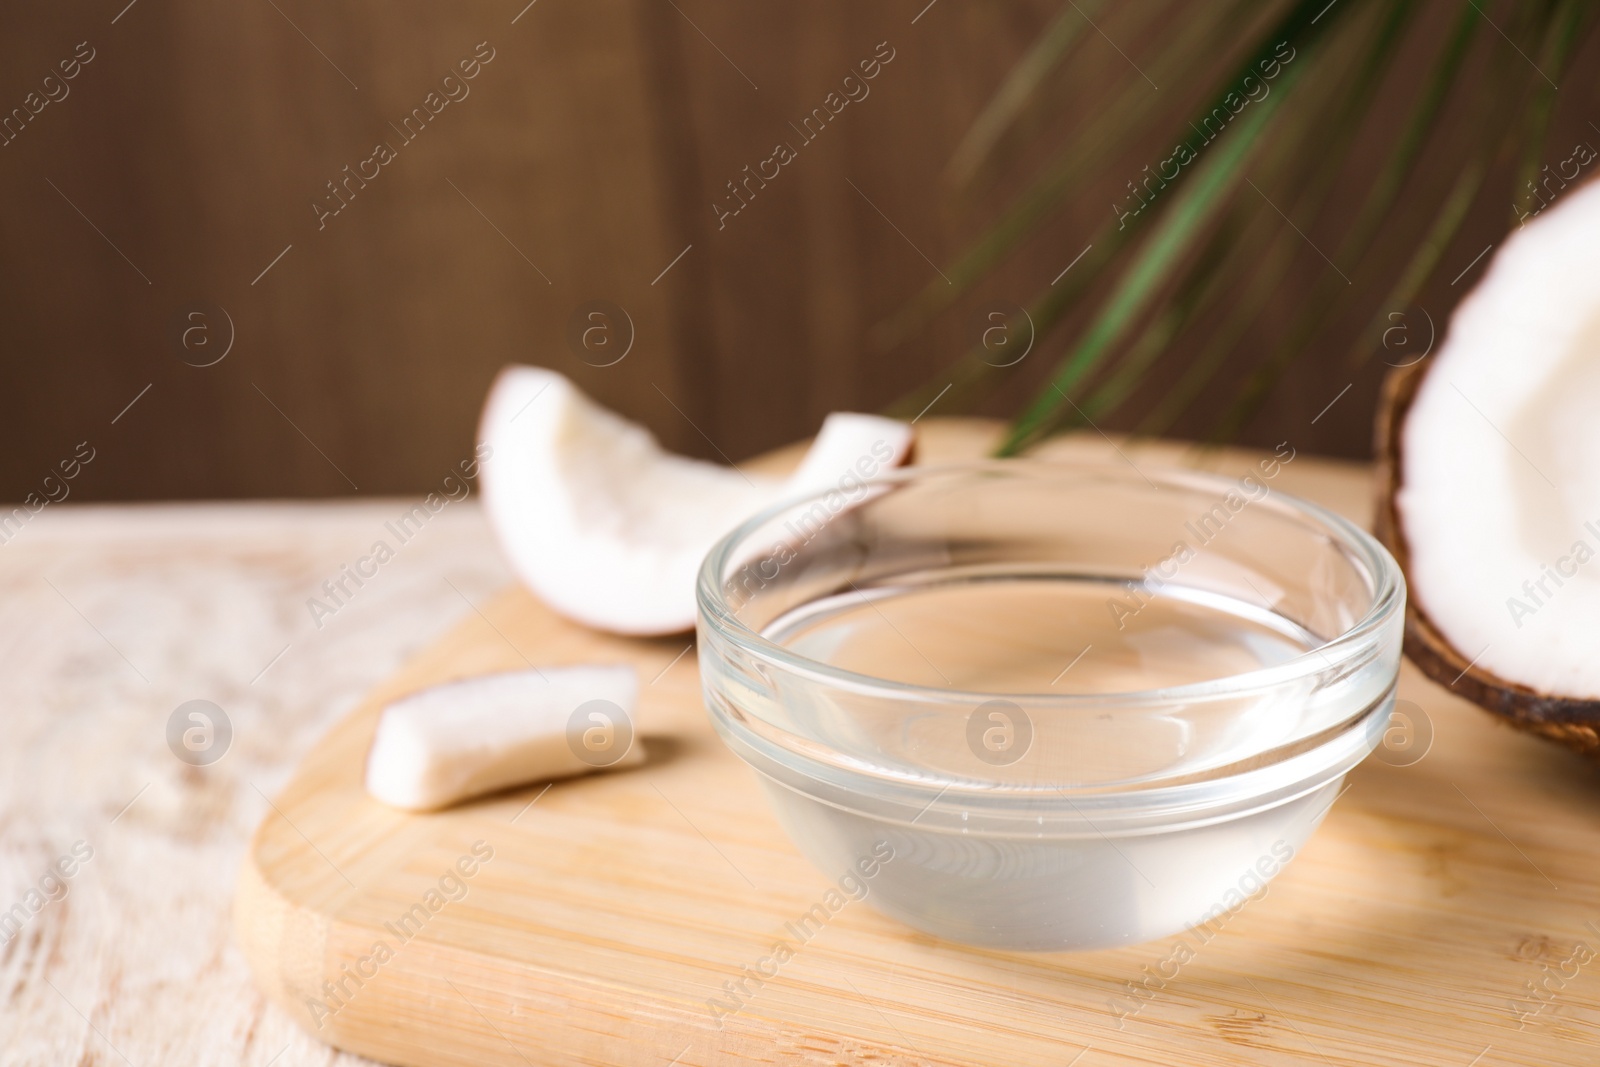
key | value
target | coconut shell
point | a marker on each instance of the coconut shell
(1568, 721)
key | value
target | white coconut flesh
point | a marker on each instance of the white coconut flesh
(462, 739)
(1500, 482)
(606, 526)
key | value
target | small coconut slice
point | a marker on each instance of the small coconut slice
(606, 526)
(441, 745)
(1492, 455)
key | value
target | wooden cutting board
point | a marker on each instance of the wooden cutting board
(1447, 912)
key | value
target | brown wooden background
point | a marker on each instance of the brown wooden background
(584, 160)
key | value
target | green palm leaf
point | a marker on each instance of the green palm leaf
(1200, 195)
(1185, 278)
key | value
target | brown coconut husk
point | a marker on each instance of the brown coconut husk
(1568, 721)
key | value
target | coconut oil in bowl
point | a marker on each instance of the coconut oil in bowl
(1062, 706)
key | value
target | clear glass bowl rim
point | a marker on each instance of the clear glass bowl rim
(1388, 596)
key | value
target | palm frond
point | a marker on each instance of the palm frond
(1018, 90)
(1192, 209)
(1428, 251)
(1046, 195)
(1200, 195)
(1198, 256)
(1339, 114)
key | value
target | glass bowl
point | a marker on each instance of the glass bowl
(1049, 706)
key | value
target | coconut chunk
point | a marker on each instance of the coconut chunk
(442, 745)
(606, 526)
(1499, 500)
(850, 448)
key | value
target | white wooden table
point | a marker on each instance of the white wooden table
(110, 618)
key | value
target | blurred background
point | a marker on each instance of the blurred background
(209, 276)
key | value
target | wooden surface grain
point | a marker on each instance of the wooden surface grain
(110, 617)
(1446, 914)
(587, 157)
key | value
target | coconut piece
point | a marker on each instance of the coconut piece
(851, 448)
(462, 739)
(1490, 483)
(606, 526)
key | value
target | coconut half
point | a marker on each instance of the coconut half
(609, 528)
(1490, 483)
